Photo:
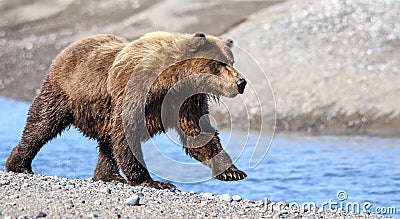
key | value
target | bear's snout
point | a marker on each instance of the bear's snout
(241, 84)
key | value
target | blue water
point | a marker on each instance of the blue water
(297, 168)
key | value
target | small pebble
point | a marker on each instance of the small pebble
(106, 190)
(68, 206)
(140, 194)
(208, 195)
(225, 197)
(56, 187)
(4, 182)
(93, 215)
(133, 200)
(97, 202)
(13, 196)
(40, 214)
(236, 198)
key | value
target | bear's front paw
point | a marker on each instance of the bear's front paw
(158, 185)
(231, 174)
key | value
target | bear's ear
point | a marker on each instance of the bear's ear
(198, 40)
(228, 41)
(199, 35)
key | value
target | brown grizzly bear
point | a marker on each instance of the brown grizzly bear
(105, 86)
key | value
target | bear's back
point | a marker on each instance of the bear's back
(85, 62)
(150, 51)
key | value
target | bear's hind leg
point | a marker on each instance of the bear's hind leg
(48, 116)
(133, 166)
(130, 160)
(107, 168)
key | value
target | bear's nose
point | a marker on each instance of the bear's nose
(241, 84)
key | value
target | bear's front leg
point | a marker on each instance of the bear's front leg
(212, 155)
(201, 140)
(130, 159)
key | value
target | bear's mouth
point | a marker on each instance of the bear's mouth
(224, 90)
(230, 94)
(229, 91)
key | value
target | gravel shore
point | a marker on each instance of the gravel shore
(36, 196)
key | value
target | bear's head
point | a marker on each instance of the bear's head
(165, 62)
(208, 60)
(212, 55)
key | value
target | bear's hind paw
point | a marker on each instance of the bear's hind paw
(18, 170)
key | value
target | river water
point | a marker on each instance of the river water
(297, 168)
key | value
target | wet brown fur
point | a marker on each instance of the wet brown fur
(86, 87)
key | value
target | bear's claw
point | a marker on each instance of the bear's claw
(231, 174)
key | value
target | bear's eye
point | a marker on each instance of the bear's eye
(218, 67)
(221, 64)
